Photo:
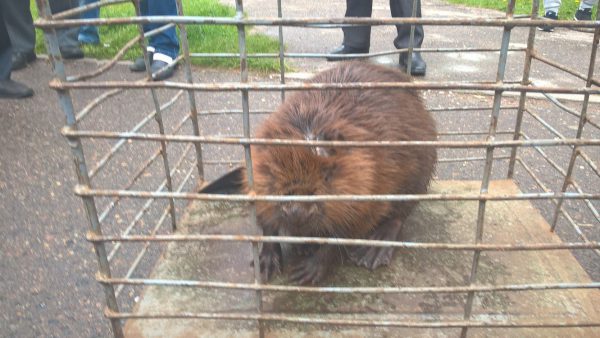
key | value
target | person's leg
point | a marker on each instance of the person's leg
(165, 43)
(404, 9)
(89, 34)
(551, 6)
(164, 46)
(584, 4)
(21, 32)
(67, 37)
(358, 37)
(8, 88)
(584, 12)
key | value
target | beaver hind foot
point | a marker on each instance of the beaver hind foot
(372, 257)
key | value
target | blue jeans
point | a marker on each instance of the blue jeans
(89, 34)
(165, 42)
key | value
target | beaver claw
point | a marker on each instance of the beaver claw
(270, 260)
(372, 257)
(310, 270)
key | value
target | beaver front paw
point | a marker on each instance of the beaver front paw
(270, 260)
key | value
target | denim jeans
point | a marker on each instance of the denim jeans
(89, 34)
(165, 42)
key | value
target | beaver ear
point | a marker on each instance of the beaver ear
(230, 183)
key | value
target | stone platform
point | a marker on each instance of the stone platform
(441, 221)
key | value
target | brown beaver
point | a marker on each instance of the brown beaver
(354, 115)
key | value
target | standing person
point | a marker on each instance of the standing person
(8, 88)
(551, 7)
(162, 47)
(19, 24)
(67, 36)
(89, 34)
(357, 38)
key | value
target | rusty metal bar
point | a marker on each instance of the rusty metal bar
(432, 110)
(236, 86)
(156, 228)
(191, 94)
(69, 132)
(351, 321)
(558, 168)
(104, 160)
(529, 51)
(77, 152)
(281, 51)
(582, 120)
(562, 211)
(370, 54)
(411, 40)
(487, 171)
(157, 116)
(346, 241)
(95, 102)
(83, 190)
(565, 69)
(239, 7)
(148, 204)
(310, 22)
(362, 290)
(557, 103)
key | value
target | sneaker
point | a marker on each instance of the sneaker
(139, 65)
(583, 14)
(552, 16)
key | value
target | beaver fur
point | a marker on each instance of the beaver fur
(354, 115)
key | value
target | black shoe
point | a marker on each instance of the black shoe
(418, 67)
(71, 52)
(21, 59)
(10, 89)
(161, 70)
(552, 16)
(139, 65)
(344, 50)
(583, 15)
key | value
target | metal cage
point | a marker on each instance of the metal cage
(127, 208)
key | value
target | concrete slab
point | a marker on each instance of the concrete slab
(444, 221)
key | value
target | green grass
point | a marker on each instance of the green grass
(566, 12)
(202, 39)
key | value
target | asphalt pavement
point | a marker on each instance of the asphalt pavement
(47, 267)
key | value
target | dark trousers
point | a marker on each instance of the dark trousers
(19, 24)
(360, 36)
(165, 42)
(67, 37)
(5, 47)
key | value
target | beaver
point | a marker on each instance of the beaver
(339, 114)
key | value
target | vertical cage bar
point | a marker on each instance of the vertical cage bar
(489, 159)
(239, 7)
(524, 81)
(157, 117)
(281, 51)
(581, 124)
(191, 94)
(411, 41)
(83, 179)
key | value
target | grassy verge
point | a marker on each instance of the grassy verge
(566, 12)
(202, 39)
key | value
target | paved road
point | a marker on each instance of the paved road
(47, 267)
